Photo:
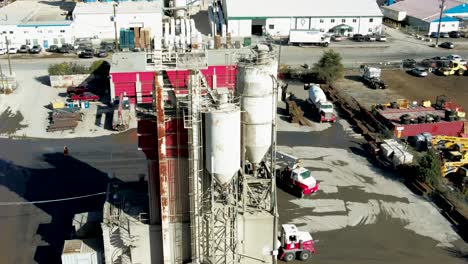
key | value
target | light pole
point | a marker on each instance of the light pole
(8, 54)
(442, 6)
(115, 27)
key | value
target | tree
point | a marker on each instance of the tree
(429, 168)
(329, 68)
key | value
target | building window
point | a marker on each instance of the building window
(370, 30)
(271, 26)
(26, 32)
(453, 25)
(55, 41)
(11, 32)
(321, 20)
(4, 32)
(39, 31)
(50, 31)
(354, 20)
(28, 42)
(62, 31)
(322, 30)
(371, 20)
(332, 20)
(443, 25)
(343, 20)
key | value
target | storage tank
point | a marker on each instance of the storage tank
(255, 84)
(222, 143)
(180, 12)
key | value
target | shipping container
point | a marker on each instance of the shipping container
(454, 129)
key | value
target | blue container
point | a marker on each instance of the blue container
(107, 1)
(89, 1)
(86, 104)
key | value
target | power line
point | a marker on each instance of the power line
(51, 201)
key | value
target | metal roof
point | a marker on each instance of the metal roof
(122, 8)
(80, 246)
(39, 12)
(446, 19)
(427, 10)
(128, 62)
(251, 9)
(463, 8)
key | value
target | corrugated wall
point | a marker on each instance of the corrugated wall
(441, 128)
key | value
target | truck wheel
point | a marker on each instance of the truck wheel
(325, 44)
(461, 72)
(289, 256)
(304, 255)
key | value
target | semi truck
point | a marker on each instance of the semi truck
(318, 100)
(371, 77)
(295, 178)
(304, 37)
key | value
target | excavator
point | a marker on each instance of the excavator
(446, 142)
(454, 152)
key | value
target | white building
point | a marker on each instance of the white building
(278, 17)
(36, 23)
(95, 20)
(423, 15)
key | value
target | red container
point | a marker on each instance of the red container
(441, 128)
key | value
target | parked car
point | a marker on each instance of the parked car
(454, 57)
(358, 37)
(12, 51)
(86, 96)
(2, 51)
(86, 54)
(101, 53)
(77, 90)
(66, 48)
(419, 71)
(36, 49)
(109, 47)
(53, 48)
(409, 63)
(336, 38)
(381, 38)
(447, 45)
(23, 49)
(433, 35)
(455, 34)
(371, 37)
(444, 35)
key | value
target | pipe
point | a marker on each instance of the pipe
(273, 169)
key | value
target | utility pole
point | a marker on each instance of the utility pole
(115, 27)
(8, 55)
(1, 76)
(440, 22)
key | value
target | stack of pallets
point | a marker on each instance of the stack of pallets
(64, 119)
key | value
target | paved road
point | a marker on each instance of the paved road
(32, 170)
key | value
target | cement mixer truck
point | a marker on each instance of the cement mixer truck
(322, 107)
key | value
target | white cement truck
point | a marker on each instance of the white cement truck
(318, 100)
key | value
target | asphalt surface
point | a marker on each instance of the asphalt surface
(35, 170)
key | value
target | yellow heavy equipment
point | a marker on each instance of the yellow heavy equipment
(454, 67)
(450, 143)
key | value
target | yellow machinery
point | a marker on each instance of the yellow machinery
(446, 142)
(455, 67)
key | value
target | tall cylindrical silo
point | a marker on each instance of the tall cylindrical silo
(179, 12)
(255, 84)
(222, 142)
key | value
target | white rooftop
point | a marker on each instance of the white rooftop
(244, 9)
(35, 12)
(122, 8)
(128, 62)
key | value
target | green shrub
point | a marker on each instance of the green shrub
(428, 168)
(67, 68)
(329, 68)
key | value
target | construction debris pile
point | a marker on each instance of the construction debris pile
(64, 119)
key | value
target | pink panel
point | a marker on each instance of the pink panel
(440, 128)
(128, 87)
(123, 77)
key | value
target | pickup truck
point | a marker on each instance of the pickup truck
(86, 96)
(77, 90)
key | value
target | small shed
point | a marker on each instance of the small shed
(86, 251)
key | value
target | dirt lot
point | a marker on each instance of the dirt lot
(405, 86)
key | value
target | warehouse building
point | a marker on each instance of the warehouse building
(278, 17)
(423, 15)
(95, 19)
(36, 23)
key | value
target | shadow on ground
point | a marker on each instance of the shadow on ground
(68, 177)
